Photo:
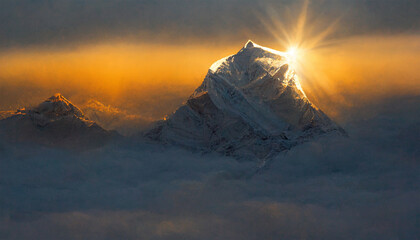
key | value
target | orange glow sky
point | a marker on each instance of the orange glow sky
(153, 79)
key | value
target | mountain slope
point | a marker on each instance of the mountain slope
(250, 105)
(109, 117)
(55, 122)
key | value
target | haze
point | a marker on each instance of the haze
(125, 56)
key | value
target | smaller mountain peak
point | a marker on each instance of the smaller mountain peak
(57, 105)
(56, 98)
(249, 44)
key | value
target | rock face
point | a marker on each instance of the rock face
(250, 105)
(55, 122)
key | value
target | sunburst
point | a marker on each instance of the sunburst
(300, 38)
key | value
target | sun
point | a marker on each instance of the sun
(295, 57)
(292, 54)
(302, 37)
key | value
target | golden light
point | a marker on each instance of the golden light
(292, 55)
(304, 37)
(340, 73)
(296, 35)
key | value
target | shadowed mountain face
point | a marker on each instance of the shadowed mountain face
(249, 105)
(55, 122)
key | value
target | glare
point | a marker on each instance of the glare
(303, 37)
(300, 34)
(292, 55)
(295, 57)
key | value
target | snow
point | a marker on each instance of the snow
(249, 44)
(249, 104)
(217, 64)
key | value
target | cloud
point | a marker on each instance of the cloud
(361, 187)
(112, 118)
(44, 22)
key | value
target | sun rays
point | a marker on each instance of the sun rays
(298, 33)
(303, 36)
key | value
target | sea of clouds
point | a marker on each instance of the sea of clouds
(366, 186)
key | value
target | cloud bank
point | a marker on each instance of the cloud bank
(26, 22)
(361, 187)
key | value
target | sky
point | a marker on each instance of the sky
(28, 22)
(147, 57)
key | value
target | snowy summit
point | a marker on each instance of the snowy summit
(54, 122)
(250, 105)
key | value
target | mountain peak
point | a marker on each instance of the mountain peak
(249, 44)
(58, 97)
(249, 104)
(253, 57)
(252, 63)
(58, 106)
(252, 45)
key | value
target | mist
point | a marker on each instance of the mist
(364, 186)
(151, 81)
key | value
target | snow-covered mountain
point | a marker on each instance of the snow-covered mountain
(55, 122)
(250, 105)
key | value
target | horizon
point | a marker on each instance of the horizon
(164, 67)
